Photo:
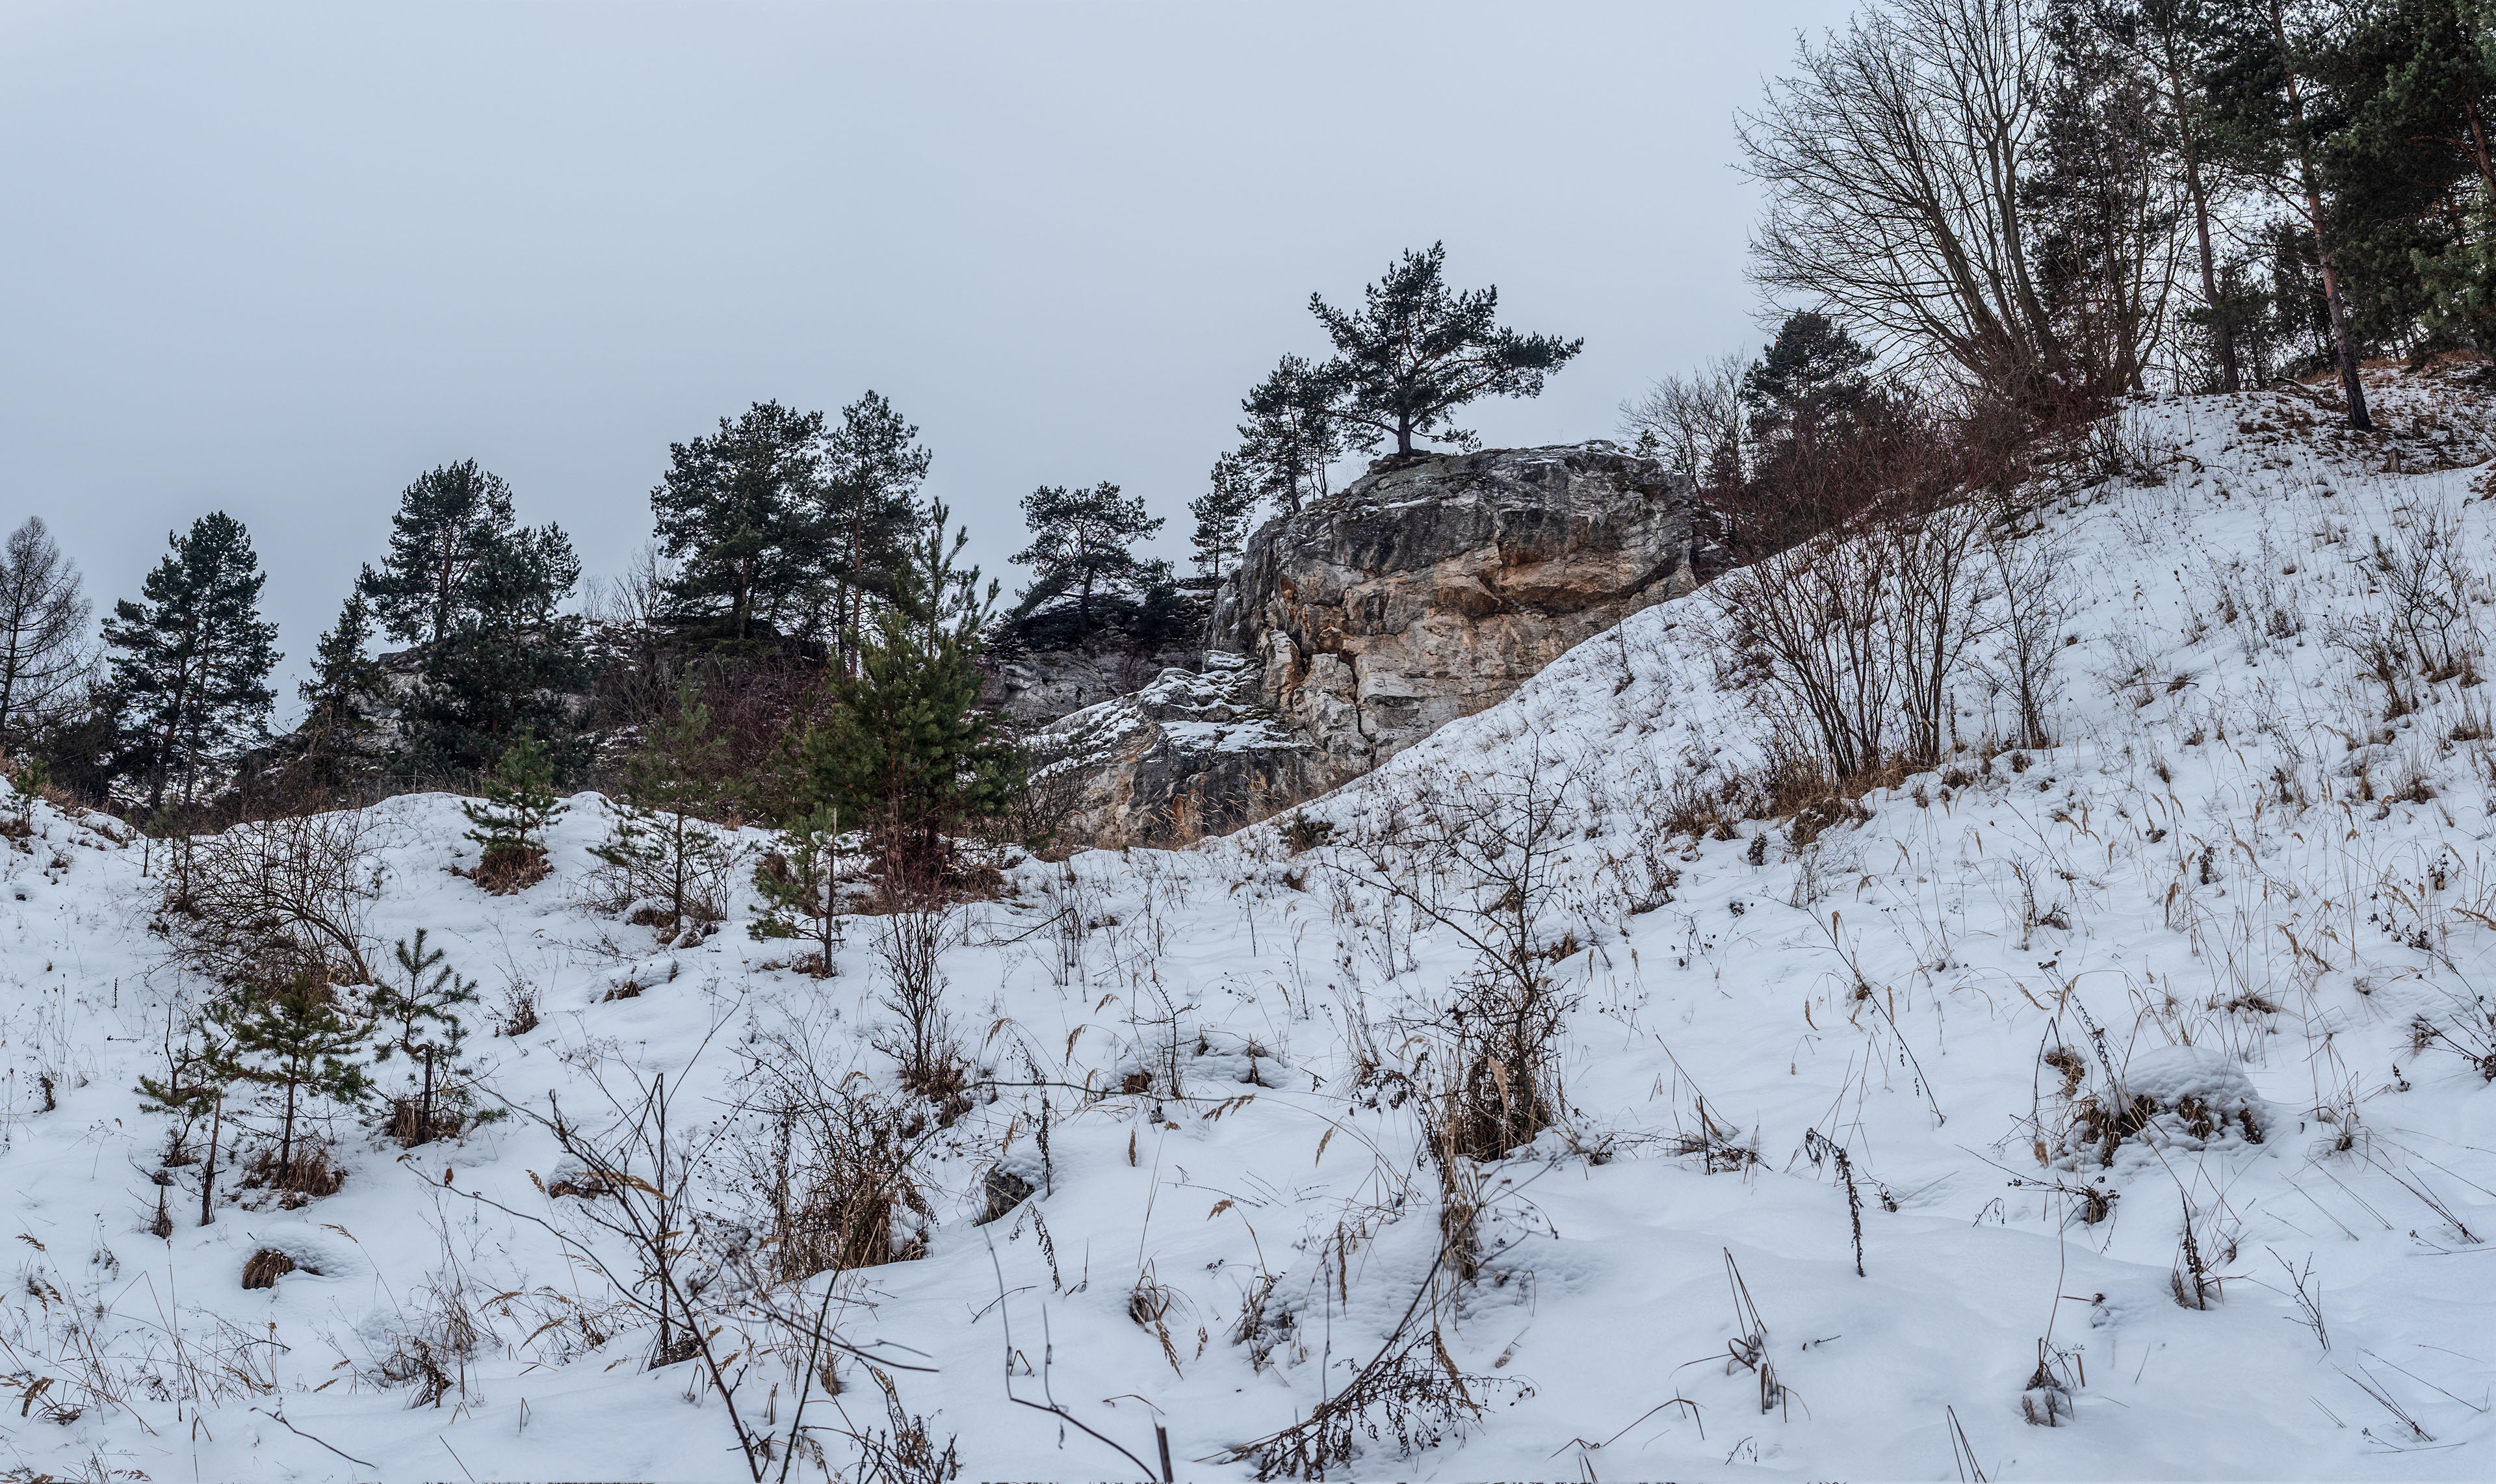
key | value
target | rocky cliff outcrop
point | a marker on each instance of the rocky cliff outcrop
(1188, 755)
(1432, 588)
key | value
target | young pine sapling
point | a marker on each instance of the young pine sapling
(802, 884)
(295, 1041)
(419, 1019)
(511, 821)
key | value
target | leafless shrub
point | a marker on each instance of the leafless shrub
(903, 1452)
(1480, 856)
(830, 1164)
(265, 900)
(2031, 574)
(691, 1277)
(909, 947)
(1411, 1391)
(2467, 1028)
(1807, 628)
(431, 1351)
(519, 1011)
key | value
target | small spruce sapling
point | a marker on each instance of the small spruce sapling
(801, 886)
(419, 1019)
(193, 1088)
(295, 1041)
(29, 779)
(511, 821)
(658, 845)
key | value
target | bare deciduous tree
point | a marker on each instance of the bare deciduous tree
(1694, 423)
(1892, 158)
(43, 621)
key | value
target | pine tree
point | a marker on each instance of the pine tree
(296, 1041)
(2174, 37)
(1415, 352)
(1222, 516)
(197, 1071)
(339, 697)
(1812, 374)
(1084, 539)
(739, 509)
(802, 884)
(658, 845)
(2271, 122)
(512, 819)
(2414, 172)
(1291, 436)
(419, 1019)
(449, 524)
(873, 466)
(511, 655)
(906, 751)
(192, 658)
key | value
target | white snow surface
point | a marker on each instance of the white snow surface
(2260, 884)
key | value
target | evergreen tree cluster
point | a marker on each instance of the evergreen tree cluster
(1405, 362)
(274, 1062)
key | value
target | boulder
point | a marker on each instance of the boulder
(1432, 587)
(1189, 754)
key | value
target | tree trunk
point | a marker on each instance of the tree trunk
(2344, 349)
(2479, 146)
(209, 1174)
(286, 1137)
(424, 1105)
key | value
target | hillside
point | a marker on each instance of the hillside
(2153, 1062)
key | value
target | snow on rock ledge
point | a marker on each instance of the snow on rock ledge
(1431, 588)
(1187, 754)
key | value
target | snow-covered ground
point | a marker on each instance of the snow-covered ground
(2232, 887)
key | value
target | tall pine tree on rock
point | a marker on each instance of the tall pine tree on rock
(1291, 436)
(1083, 540)
(191, 658)
(873, 465)
(1222, 516)
(1415, 352)
(449, 524)
(510, 659)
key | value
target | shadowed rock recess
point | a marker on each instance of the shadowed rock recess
(1426, 590)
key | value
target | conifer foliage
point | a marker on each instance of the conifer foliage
(1083, 540)
(480, 594)
(1222, 514)
(301, 1048)
(511, 821)
(1415, 352)
(737, 509)
(659, 852)
(800, 885)
(418, 1017)
(191, 658)
(906, 751)
(340, 699)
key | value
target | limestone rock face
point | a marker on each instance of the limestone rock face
(1430, 589)
(1186, 755)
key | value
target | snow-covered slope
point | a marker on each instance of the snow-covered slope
(2232, 887)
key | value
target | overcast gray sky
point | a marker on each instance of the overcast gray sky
(279, 259)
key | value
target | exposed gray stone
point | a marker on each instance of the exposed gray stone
(1187, 754)
(1430, 590)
